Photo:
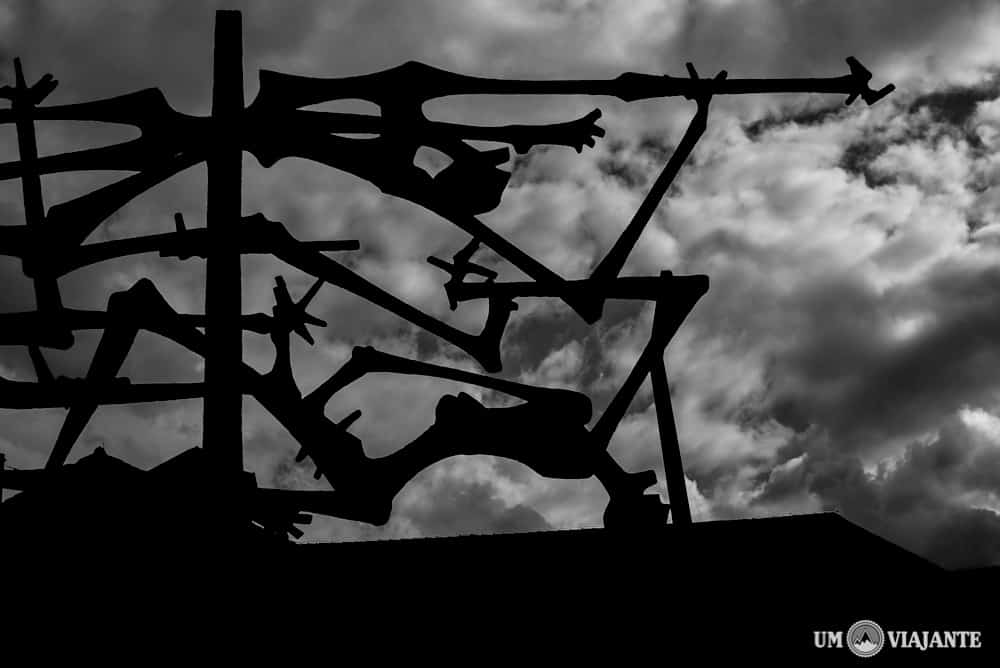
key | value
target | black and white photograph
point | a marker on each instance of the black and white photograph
(638, 320)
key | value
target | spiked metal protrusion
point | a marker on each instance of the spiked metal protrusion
(460, 267)
(293, 314)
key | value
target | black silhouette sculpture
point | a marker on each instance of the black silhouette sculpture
(550, 431)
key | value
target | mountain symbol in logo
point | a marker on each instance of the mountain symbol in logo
(865, 643)
(865, 638)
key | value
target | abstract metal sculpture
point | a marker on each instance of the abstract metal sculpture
(548, 432)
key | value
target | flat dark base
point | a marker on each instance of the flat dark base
(755, 588)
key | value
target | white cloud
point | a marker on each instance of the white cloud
(559, 368)
(982, 421)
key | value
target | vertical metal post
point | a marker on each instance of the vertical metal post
(223, 406)
(673, 467)
(47, 299)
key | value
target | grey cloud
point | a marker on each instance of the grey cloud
(918, 504)
(844, 374)
(955, 105)
(782, 38)
(964, 538)
(858, 158)
(455, 507)
(134, 38)
(757, 128)
(927, 119)
(528, 341)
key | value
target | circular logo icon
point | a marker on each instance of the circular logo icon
(865, 638)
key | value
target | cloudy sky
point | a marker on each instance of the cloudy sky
(845, 357)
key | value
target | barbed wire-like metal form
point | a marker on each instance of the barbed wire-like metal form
(548, 431)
